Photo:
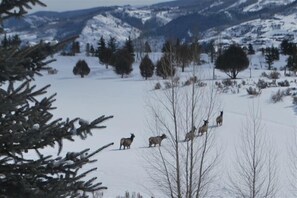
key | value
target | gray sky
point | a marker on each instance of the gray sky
(63, 5)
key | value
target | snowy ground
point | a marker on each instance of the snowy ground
(102, 92)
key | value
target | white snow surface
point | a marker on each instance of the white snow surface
(107, 26)
(260, 4)
(103, 92)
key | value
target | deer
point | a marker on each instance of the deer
(219, 119)
(203, 128)
(126, 142)
(156, 140)
(190, 135)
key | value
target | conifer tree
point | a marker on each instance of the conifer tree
(147, 47)
(146, 67)
(130, 48)
(164, 67)
(251, 49)
(195, 50)
(102, 52)
(292, 62)
(81, 68)
(232, 61)
(27, 126)
(88, 49)
(123, 62)
(111, 50)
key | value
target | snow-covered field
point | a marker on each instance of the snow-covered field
(103, 92)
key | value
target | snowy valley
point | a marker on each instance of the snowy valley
(103, 92)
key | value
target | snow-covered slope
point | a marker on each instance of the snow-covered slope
(107, 26)
(263, 32)
(263, 20)
(260, 4)
(103, 92)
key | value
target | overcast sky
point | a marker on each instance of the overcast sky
(63, 5)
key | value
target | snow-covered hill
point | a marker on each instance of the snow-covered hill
(261, 22)
(103, 92)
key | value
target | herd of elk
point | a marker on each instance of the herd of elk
(156, 140)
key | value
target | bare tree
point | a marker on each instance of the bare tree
(183, 168)
(255, 172)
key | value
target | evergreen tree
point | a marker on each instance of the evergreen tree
(16, 41)
(88, 49)
(111, 50)
(232, 61)
(212, 51)
(123, 62)
(112, 44)
(288, 48)
(129, 45)
(28, 126)
(101, 49)
(251, 49)
(146, 67)
(4, 42)
(164, 67)
(81, 68)
(167, 47)
(285, 46)
(292, 62)
(92, 50)
(195, 51)
(75, 47)
(147, 48)
(130, 48)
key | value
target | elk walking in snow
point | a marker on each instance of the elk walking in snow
(203, 128)
(126, 142)
(219, 119)
(156, 140)
(190, 135)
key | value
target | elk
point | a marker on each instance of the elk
(126, 142)
(156, 140)
(219, 119)
(190, 135)
(203, 128)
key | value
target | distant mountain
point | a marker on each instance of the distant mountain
(234, 20)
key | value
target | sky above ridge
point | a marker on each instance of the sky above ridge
(65, 5)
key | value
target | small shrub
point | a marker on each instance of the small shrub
(158, 85)
(261, 84)
(52, 71)
(278, 96)
(288, 92)
(295, 100)
(201, 84)
(190, 81)
(264, 74)
(167, 85)
(253, 91)
(243, 82)
(227, 82)
(284, 83)
(274, 75)
(219, 85)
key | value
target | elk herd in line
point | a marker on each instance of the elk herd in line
(154, 141)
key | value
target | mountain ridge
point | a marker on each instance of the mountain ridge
(176, 19)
